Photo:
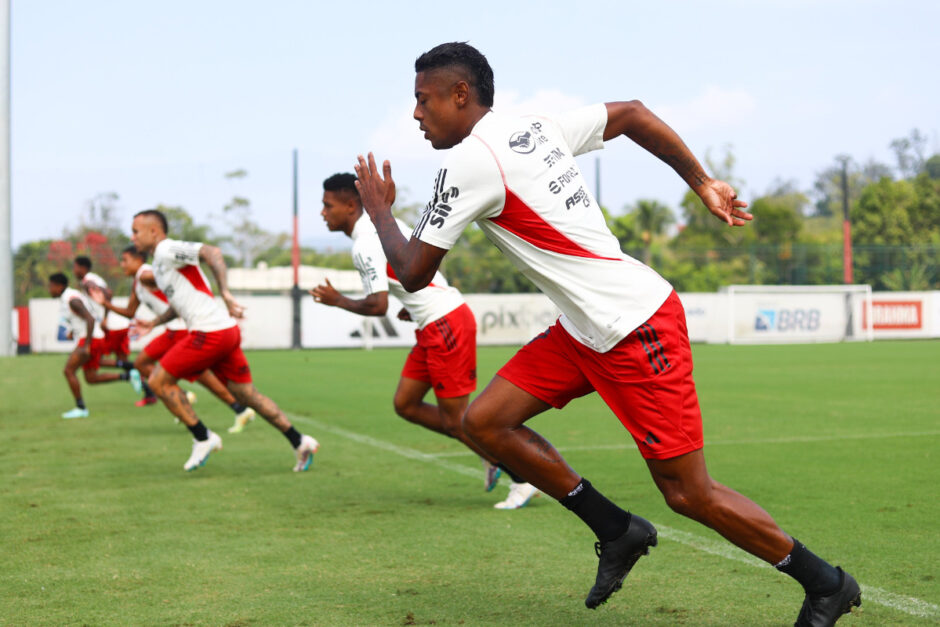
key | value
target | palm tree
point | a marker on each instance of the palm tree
(651, 219)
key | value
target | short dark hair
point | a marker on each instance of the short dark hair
(83, 261)
(463, 56)
(59, 279)
(158, 215)
(342, 182)
(132, 250)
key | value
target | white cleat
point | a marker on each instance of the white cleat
(308, 446)
(519, 496)
(241, 420)
(191, 397)
(202, 450)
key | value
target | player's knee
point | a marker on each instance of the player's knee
(473, 424)
(404, 406)
(688, 502)
(155, 384)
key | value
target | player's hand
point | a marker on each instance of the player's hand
(236, 310)
(141, 327)
(326, 294)
(721, 199)
(97, 294)
(376, 192)
(404, 315)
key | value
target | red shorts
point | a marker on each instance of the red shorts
(117, 341)
(159, 345)
(218, 351)
(446, 354)
(646, 379)
(97, 349)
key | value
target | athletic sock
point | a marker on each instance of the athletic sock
(293, 435)
(126, 365)
(605, 519)
(237, 407)
(199, 431)
(515, 478)
(124, 376)
(148, 393)
(816, 575)
(80, 403)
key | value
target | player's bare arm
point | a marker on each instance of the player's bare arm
(372, 305)
(146, 326)
(99, 296)
(79, 308)
(212, 256)
(635, 121)
(147, 279)
(413, 261)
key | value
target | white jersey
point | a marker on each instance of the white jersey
(426, 305)
(518, 179)
(91, 278)
(155, 300)
(75, 323)
(179, 277)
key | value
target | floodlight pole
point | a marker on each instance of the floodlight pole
(295, 262)
(6, 250)
(846, 225)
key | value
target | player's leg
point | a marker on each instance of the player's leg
(243, 413)
(304, 445)
(409, 404)
(164, 385)
(75, 361)
(144, 364)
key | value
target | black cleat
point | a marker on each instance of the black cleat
(618, 556)
(818, 611)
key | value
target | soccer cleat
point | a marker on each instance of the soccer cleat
(202, 450)
(824, 611)
(191, 397)
(308, 446)
(519, 496)
(492, 475)
(75, 412)
(242, 419)
(133, 375)
(617, 557)
(147, 400)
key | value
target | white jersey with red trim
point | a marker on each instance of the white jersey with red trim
(518, 179)
(426, 305)
(179, 277)
(155, 300)
(91, 278)
(75, 323)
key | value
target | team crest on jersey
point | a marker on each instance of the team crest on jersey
(522, 142)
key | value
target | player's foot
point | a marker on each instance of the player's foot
(519, 496)
(242, 419)
(191, 397)
(133, 375)
(147, 400)
(202, 450)
(617, 557)
(75, 412)
(824, 611)
(492, 475)
(308, 446)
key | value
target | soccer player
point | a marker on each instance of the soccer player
(622, 331)
(116, 340)
(212, 343)
(144, 290)
(444, 357)
(76, 312)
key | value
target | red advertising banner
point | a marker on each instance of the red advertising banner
(895, 314)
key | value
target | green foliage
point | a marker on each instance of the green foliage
(475, 265)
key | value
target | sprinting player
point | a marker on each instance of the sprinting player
(212, 343)
(75, 312)
(443, 359)
(116, 340)
(622, 331)
(144, 290)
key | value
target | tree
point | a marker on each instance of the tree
(909, 152)
(778, 215)
(475, 265)
(651, 218)
(247, 239)
(828, 185)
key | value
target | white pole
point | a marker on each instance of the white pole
(6, 250)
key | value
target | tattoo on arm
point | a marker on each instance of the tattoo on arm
(165, 317)
(685, 165)
(213, 258)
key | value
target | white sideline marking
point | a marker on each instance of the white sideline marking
(721, 548)
(710, 443)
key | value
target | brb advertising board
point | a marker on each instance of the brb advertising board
(795, 317)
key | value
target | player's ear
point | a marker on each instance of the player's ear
(461, 93)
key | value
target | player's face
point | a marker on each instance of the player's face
(55, 289)
(336, 211)
(79, 271)
(129, 264)
(144, 233)
(436, 108)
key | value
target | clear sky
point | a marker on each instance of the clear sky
(156, 101)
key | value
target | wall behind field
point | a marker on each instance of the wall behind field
(514, 319)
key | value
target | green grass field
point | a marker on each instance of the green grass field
(391, 526)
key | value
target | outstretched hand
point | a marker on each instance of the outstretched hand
(325, 294)
(721, 199)
(376, 191)
(97, 294)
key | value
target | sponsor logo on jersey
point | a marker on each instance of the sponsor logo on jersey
(439, 207)
(522, 142)
(579, 196)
